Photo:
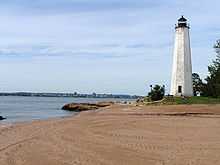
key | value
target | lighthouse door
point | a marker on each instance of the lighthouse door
(179, 89)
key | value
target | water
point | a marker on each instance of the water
(19, 109)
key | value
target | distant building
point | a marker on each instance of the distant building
(181, 83)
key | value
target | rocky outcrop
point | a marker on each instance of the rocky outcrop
(78, 107)
(2, 118)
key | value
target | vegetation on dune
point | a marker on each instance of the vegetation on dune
(169, 100)
(196, 100)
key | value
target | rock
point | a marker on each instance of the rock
(2, 118)
(105, 104)
(78, 107)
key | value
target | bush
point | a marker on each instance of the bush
(157, 93)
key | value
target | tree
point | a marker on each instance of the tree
(157, 93)
(212, 87)
(197, 84)
(217, 47)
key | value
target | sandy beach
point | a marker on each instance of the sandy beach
(118, 135)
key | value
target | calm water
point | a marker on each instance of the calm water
(18, 109)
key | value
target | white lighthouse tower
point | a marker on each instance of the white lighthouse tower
(181, 84)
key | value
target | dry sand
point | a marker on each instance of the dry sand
(118, 135)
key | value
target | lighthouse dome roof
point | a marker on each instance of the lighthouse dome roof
(182, 19)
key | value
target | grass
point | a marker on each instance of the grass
(189, 100)
(197, 100)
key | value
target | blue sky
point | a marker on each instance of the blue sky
(99, 46)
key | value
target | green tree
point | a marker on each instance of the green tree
(197, 84)
(157, 93)
(212, 87)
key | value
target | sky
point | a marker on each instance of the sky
(114, 46)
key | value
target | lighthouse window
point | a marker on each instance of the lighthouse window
(179, 89)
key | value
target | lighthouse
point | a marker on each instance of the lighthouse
(181, 83)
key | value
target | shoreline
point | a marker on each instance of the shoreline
(5, 122)
(31, 108)
(120, 134)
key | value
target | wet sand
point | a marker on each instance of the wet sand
(118, 135)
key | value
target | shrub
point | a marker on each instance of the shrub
(157, 93)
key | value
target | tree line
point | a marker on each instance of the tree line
(210, 87)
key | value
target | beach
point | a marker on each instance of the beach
(117, 135)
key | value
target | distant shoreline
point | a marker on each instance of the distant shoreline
(74, 95)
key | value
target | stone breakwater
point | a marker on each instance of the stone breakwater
(78, 107)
